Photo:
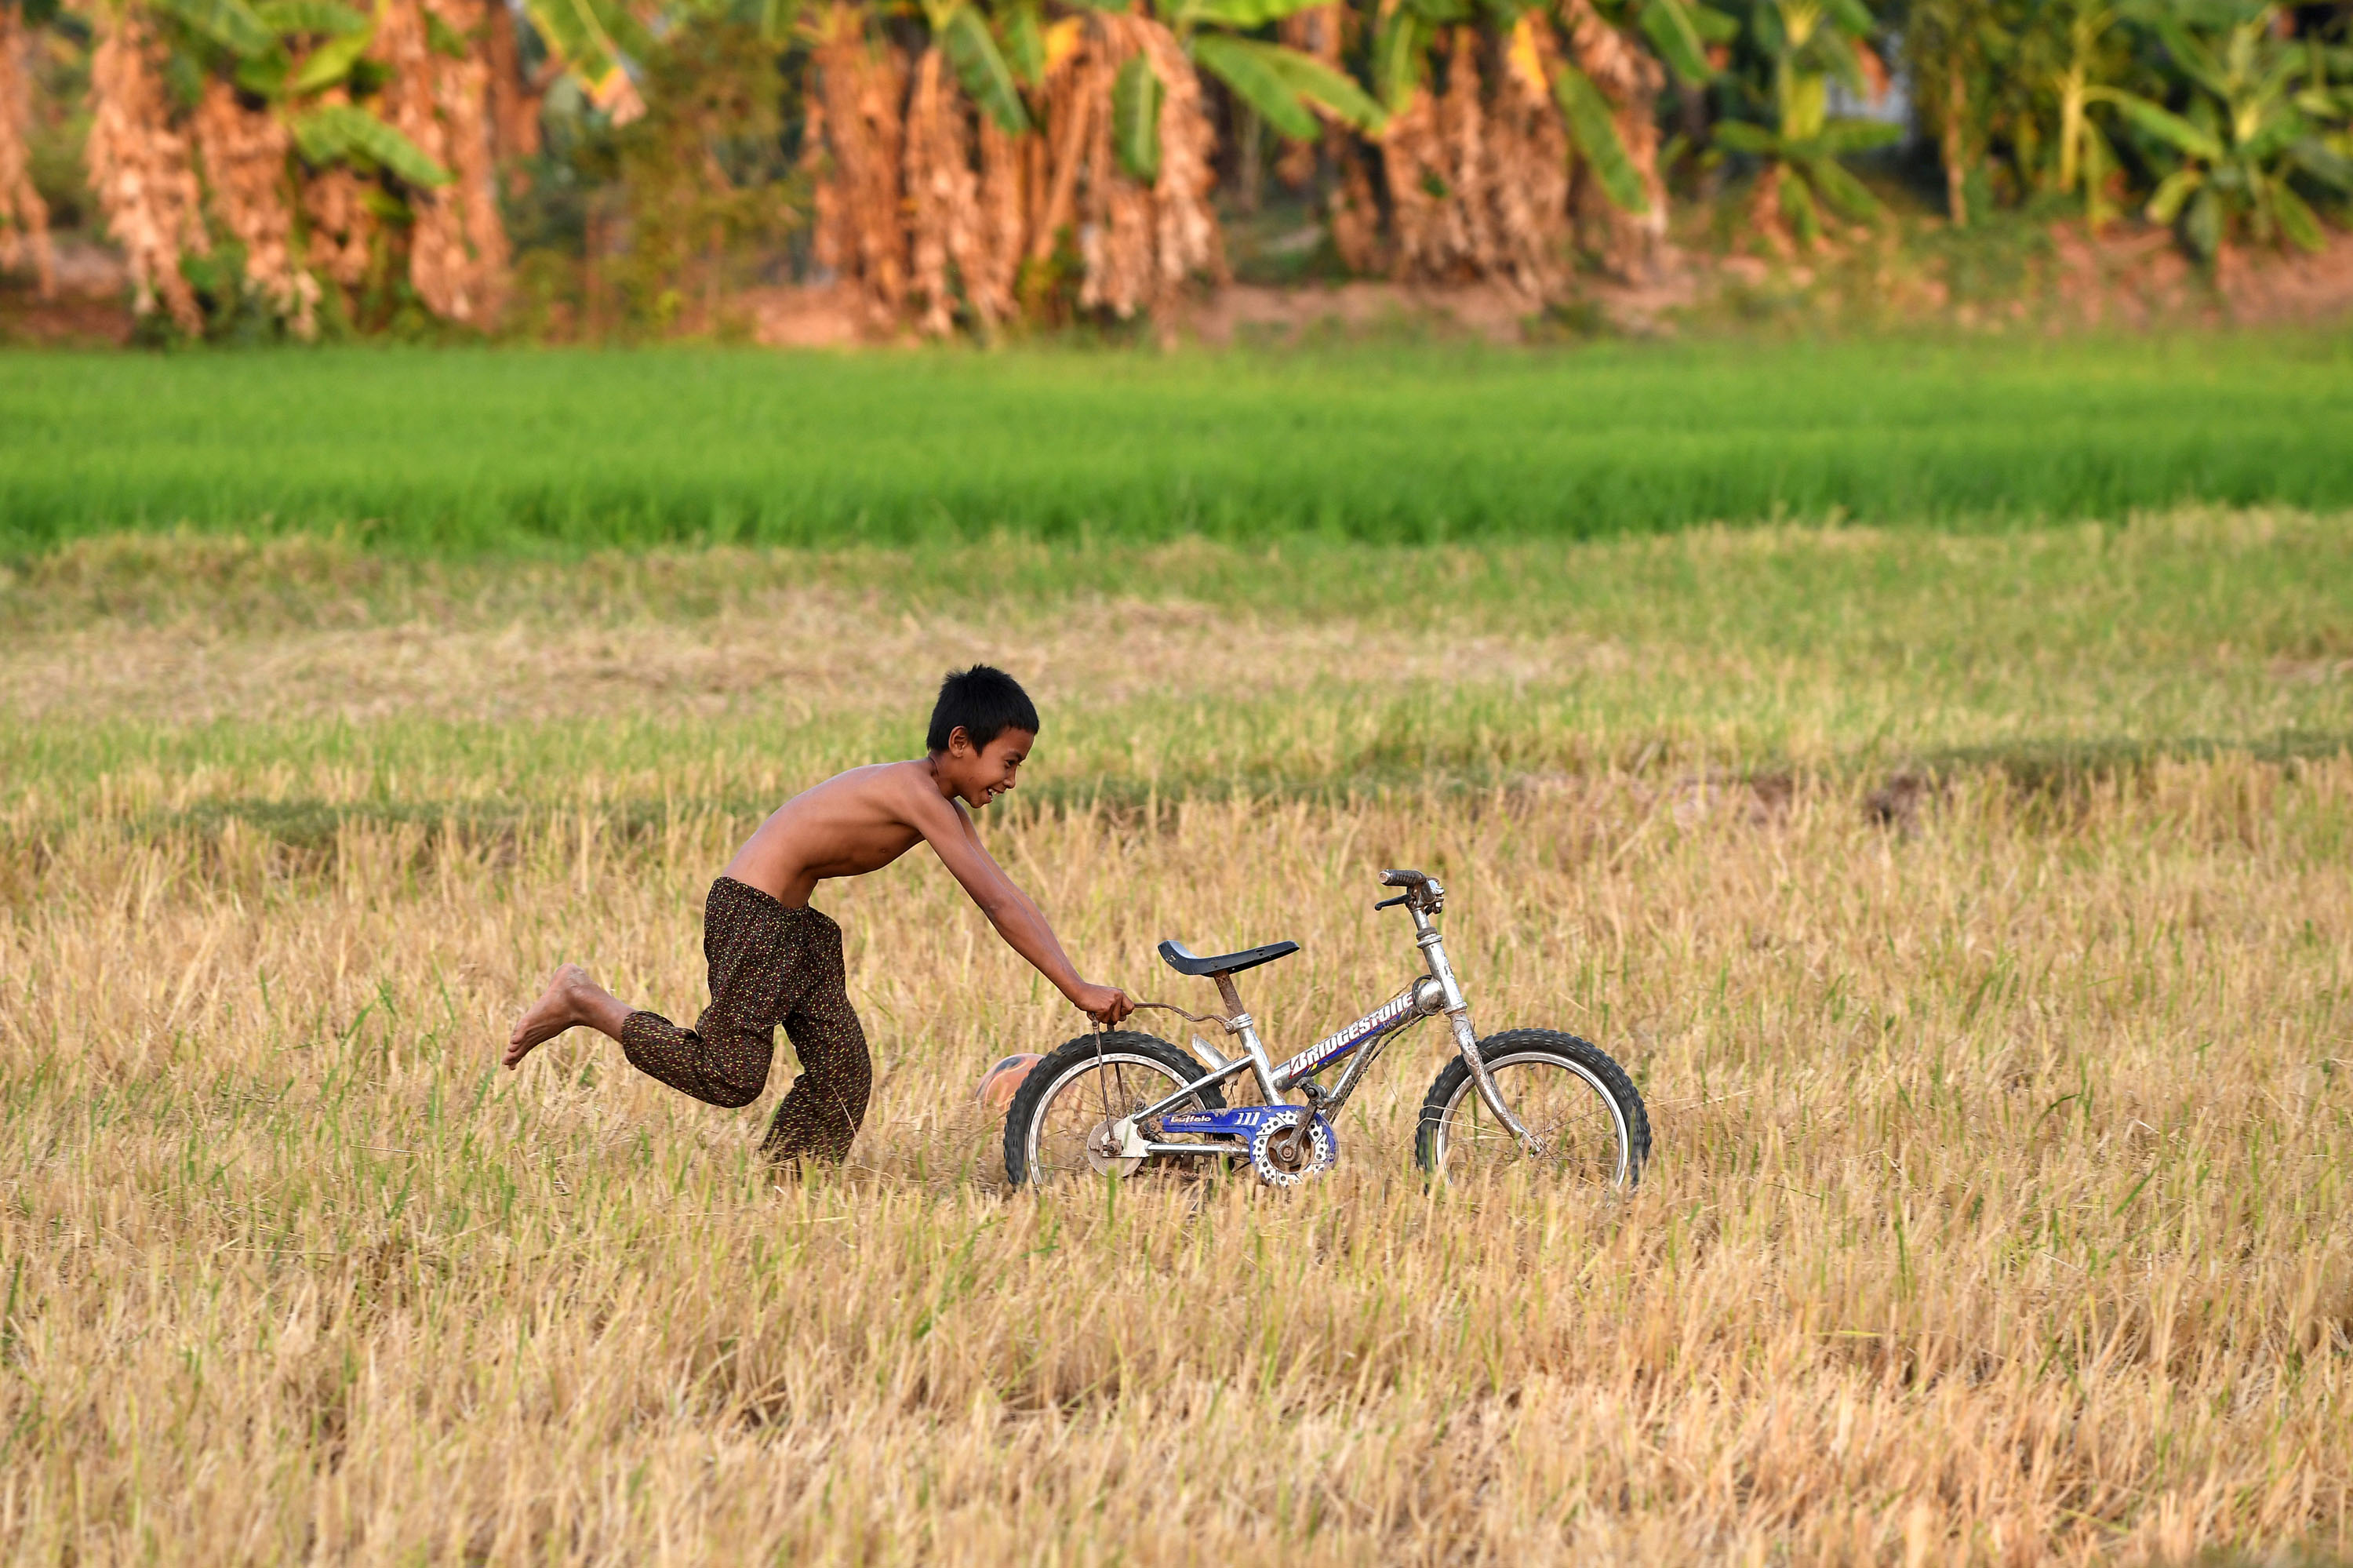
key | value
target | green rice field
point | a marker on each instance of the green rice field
(459, 451)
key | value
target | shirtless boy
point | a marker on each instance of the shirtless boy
(773, 959)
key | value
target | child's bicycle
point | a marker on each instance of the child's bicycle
(1120, 1102)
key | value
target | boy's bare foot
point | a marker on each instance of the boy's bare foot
(570, 998)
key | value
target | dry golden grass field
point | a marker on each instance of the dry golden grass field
(1974, 912)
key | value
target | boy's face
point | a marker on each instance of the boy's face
(979, 776)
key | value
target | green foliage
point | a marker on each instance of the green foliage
(1244, 67)
(1791, 50)
(982, 68)
(326, 18)
(488, 450)
(228, 22)
(329, 63)
(1240, 15)
(1591, 127)
(1312, 80)
(343, 131)
(701, 171)
(2254, 107)
(1679, 33)
(1135, 118)
(1398, 55)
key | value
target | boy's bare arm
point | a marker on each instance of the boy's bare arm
(948, 828)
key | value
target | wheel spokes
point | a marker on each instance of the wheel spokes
(1084, 1102)
(1572, 1118)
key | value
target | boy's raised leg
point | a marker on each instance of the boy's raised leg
(571, 999)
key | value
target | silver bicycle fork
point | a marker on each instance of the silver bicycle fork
(1466, 1038)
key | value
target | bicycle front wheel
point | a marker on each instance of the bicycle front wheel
(1060, 1123)
(1579, 1103)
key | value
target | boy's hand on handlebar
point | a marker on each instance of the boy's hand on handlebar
(1103, 1004)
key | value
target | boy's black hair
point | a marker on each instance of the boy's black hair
(983, 701)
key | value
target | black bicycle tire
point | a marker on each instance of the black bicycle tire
(1445, 1088)
(1049, 1069)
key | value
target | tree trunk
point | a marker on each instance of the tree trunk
(1629, 78)
(1248, 137)
(140, 170)
(1956, 101)
(24, 217)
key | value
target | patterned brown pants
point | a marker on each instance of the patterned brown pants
(769, 965)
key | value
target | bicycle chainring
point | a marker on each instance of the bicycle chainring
(1282, 1158)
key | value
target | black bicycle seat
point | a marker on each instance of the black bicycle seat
(1185, 961)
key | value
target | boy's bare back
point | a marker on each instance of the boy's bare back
(859, 822)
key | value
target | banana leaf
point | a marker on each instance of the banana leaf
(574, 34)
(2296, 220)
(1243, 66)
(2324, 164)
(1397, 59)
(1594, 131)
(1717, 27)
(329, 17)
(1135, 118)
(1839, 137)
(1797, 201)
(264, 76)
(1745, 136)
(2190, 55)
(982, 69)
(1313, 80)
(589, 37)
(330, 62)
(1840, 190)
(2165, 206)
(1025, 45)
(339, 129)
(1669, 28)
(444, 39)
(776, 18)
(228, 22)
(1245, 15)
(2162, 123)
(1832, 53)
(1851, 18)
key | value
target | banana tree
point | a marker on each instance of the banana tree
(309, 60)
(593, 41)
(315, 141)
(2261, 110)
(1805, 45)
(2089, 59)
(1410, 31)
(1288, 88)
(1502, 114)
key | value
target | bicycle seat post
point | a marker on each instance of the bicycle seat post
(1240, 1023)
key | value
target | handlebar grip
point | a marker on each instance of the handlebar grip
(1402, 879)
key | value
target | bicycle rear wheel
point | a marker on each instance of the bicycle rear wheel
(1579, 1103)
(1057, 1128)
